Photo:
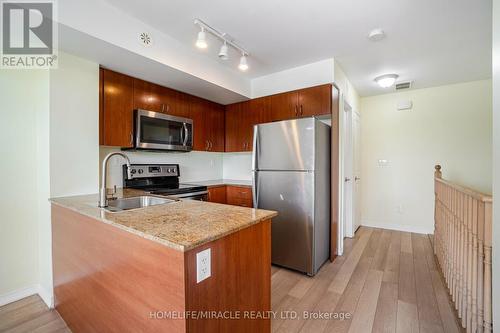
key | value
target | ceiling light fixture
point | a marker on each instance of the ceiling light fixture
(223, 53)
(376, 35)
(227, 41)
(387, 80)
(243, 66)
(201, 41)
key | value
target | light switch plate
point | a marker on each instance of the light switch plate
(203, 265)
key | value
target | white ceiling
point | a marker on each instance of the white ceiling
(432, 42)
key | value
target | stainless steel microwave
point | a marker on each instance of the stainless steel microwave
(159, 131)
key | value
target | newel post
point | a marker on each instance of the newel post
(437, 171)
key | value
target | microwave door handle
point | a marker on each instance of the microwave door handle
(186, 134)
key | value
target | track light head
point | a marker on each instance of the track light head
(243, 66)
(223, 53)
(201, 41)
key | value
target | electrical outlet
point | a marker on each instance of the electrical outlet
(203, 265)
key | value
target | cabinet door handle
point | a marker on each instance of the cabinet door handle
(162, 107)
(301, 110)
(357, 178)
(296, 111)
(211, 145)
(131, 138)
(206, 145)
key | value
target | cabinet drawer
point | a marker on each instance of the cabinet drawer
(240, 192)
(243, 202)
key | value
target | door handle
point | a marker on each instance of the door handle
(301, 110)
(296, 111)
(210, 145)
(346, 179)
(206, 145)
(357, 178)
(186, 134)
(131, 138)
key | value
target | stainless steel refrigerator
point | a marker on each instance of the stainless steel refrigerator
(291, 175)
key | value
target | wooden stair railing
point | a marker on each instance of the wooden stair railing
(462, 245)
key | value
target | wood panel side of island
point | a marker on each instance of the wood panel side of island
(239, 285)
(110, 280)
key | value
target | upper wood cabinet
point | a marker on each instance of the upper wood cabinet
(152, 97)
(208, 124)
(117, 109)
(314, 101)
(120, 94)
(240, 119)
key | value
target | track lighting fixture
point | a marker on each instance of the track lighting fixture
(227, 41)
(201, 41)
(243, 66)
(223, 53)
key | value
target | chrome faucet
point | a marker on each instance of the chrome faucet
(103, 199)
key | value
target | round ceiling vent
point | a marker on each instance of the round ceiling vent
(145, 39)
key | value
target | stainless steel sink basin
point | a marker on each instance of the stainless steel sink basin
(117, 205)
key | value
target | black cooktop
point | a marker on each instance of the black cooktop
(176, 189)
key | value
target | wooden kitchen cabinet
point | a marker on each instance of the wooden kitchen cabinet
(240, 120)
(117, 109)
(315, 101)
(239, 196)
(217, 194)
(208, 124)
(152, 97)
(284, 106)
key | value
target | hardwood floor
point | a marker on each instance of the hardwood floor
(386, 281)
(30, 315)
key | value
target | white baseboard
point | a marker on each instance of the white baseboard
(397, 227)
(19, 294)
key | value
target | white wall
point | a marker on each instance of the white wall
(18, 204)
(74, 126)
(448, 125)
(496, 163)
(309, 75)
(193, 166)
(238, 166)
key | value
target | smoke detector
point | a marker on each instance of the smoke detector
(376, 35)
(145, 39)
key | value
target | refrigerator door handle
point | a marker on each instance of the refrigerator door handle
(255, 194)
(255, 147)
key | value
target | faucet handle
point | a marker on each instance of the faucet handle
(112, 194)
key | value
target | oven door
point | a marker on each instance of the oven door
(200, 196)
(155, 130)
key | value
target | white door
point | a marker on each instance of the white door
(356, 181)
(348, 173)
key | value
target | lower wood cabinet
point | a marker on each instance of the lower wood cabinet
(231, 195)
(239, 196)
(217, 194)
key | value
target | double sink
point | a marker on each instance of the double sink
(121, 204)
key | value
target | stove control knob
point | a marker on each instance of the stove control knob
(133, 171)
(141, 171)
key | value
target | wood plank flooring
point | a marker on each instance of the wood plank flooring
(31, 315)
(386, 281)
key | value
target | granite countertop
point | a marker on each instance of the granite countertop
(182, 225)
(221, 182)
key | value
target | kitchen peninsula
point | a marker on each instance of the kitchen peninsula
(136, 270)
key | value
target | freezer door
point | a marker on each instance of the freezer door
(284, 145)
(291, 194)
